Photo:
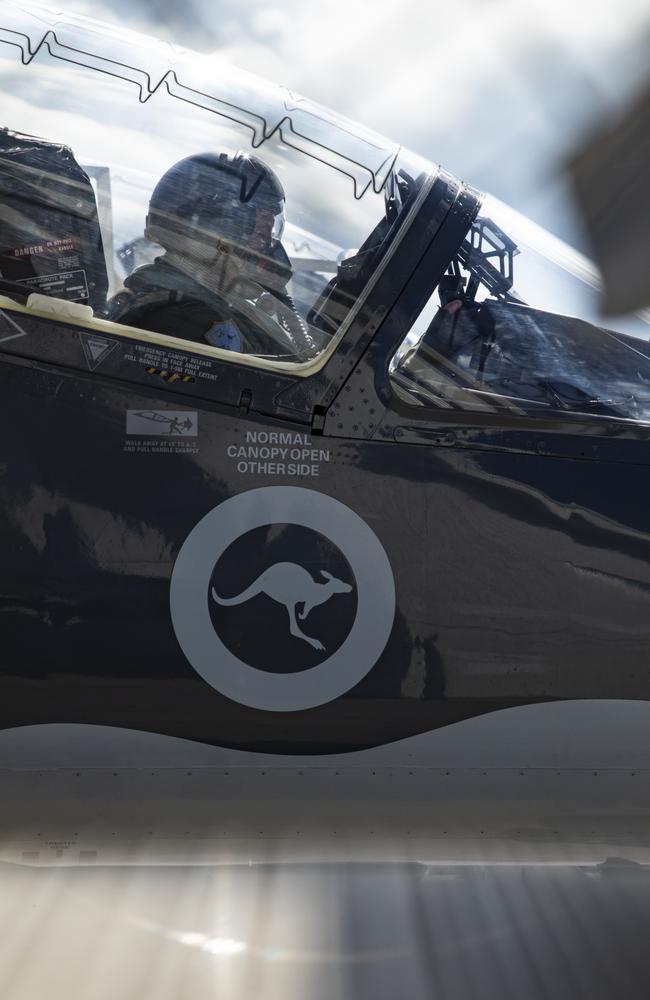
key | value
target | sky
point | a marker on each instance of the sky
(498, 91)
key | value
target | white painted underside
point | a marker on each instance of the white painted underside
(562, 783)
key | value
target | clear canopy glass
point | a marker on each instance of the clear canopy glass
(514, 326)
(129, 108)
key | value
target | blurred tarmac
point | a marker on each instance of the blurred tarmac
(325, 933)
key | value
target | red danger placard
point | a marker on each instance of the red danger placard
(47, 246)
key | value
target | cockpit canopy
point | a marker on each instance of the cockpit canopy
(172, 193)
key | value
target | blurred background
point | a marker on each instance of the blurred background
(498, 91)
(403, 932)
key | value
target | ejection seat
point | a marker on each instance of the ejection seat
(50, 237)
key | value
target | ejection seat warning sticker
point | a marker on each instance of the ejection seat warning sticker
(168, 428)
(277, 453)
(52, 267)
(96, 349)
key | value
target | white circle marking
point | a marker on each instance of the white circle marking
(210, 657)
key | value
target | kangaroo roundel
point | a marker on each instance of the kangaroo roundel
(282, 598)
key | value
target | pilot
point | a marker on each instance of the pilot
(223, 276)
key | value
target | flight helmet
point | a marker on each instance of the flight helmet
(210, 201)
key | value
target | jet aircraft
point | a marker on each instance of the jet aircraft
(324, 489)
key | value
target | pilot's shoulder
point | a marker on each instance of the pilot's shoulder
(149, 286)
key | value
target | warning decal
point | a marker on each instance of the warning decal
(51, 267)
(71, 285)
(96, 349)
